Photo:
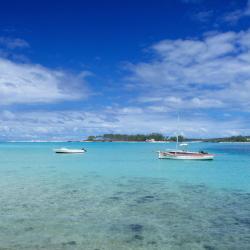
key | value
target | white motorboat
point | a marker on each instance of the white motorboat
(69, 151)
(150, 140)
(154, 141)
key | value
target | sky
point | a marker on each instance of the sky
(69, 69)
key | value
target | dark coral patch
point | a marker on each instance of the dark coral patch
(152, 242)
(71, 243)
(145, 199)
(244, 221)
(138, 237)
(27, 229)
(136, 228)
(114, 198)
(208, 247)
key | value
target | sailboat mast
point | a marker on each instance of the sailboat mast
(177, 136)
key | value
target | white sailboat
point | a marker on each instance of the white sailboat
(181, 153)
(184, 155)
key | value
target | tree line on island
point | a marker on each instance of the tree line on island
(238, 138)
(135, 137)
(161, 137)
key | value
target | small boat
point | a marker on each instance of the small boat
(154, 141)
(151, 140)
(185, 155)
(69, 151)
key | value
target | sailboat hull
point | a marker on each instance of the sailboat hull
(184, 156)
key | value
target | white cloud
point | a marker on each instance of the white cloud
(13, 43)
(208, 72)
(236, 15)
(51, 124)
(32, 83)
(78, 124)
(176, 103)
(123, 110)
(203, 16)
(192, 1)
(184, 74)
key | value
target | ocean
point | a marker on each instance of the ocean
(121, 196)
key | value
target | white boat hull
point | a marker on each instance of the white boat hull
(185, 156)
(69, 151)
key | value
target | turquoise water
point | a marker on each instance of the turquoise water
(120, 196)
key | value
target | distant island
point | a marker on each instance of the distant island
(160, 137)
(238, 138)
(126, 137)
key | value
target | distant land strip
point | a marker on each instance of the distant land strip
(160, 137)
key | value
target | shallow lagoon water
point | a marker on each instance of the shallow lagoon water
(120, 196)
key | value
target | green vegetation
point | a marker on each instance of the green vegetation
(125, 137)
(91, 138)
(239, 138)
(160, 137)
(180, 138)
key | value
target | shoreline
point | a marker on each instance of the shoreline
(155, 142)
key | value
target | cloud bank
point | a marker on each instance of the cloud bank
(33, 83)
(77, 124)
(236, 15)
(205, 78)
(208, 72)
(13, 43)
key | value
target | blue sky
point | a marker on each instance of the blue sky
(69, 69)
